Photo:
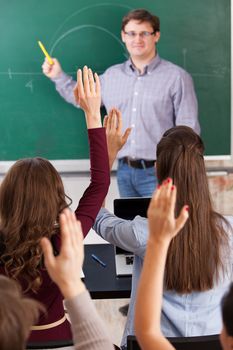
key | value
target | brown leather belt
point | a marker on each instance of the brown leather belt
(138, 163)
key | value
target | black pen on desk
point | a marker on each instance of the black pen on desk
(94, 257)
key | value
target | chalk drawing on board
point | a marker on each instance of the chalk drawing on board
(75, 29)
(29, 85)
(84, 9)
(9, 73)
(216, 73)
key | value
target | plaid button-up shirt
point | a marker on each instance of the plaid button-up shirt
(160, 98)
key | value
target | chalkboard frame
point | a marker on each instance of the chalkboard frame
(64, 165)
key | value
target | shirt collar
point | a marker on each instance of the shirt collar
(130, 69)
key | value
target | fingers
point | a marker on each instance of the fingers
(78, 234)
(126, 135)
(46, 67)
(71, 230)
(91, 81)
(119, 119)
(97, 85)
(114, 120)
(182, 218)
(51, 70)
(86, 83)
(173, 198)
(66, 231)
(47, 251)
(105, 122)
(165, 196)
(154, 201)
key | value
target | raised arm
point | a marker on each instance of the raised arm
(88, 96)
(87, 327)
(163, 226)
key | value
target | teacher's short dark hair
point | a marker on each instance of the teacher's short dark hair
(142, 15)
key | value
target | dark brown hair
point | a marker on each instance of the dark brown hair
(195, 255)
(31, 198)
(141, 15)
(17, 315)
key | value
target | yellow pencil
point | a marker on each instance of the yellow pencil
(45, 52)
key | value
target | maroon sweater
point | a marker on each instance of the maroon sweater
(87, 210)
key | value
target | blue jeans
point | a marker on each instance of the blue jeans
(135, 182)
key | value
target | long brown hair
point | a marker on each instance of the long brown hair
(194, 258)
(31, 198)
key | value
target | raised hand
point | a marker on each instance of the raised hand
(65, 269)
(161, 213)
(51, 70)
(163, 226)
(87, 94)
(115, 138)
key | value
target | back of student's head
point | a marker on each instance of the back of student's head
(31, 198)
(227, 311)
(194, 259)
(17, 315)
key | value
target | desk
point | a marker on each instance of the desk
(102, 282)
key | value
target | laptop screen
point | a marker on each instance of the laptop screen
(128, 208)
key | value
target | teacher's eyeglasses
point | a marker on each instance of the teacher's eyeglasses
(132, 35)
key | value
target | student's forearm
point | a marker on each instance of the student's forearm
(93, 120)
(149, 298)
(89, 332)
(112, 158)
(71, 289)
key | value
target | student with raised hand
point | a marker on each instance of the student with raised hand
(31, 198)
(163, 227)
(89, 333)
(199, 264)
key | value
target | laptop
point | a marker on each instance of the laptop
(128, 208)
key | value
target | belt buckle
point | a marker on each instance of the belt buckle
(143, 164)
(128, 162)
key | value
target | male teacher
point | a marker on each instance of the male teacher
(152, 94)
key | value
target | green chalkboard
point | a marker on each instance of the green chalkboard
(35, 120)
